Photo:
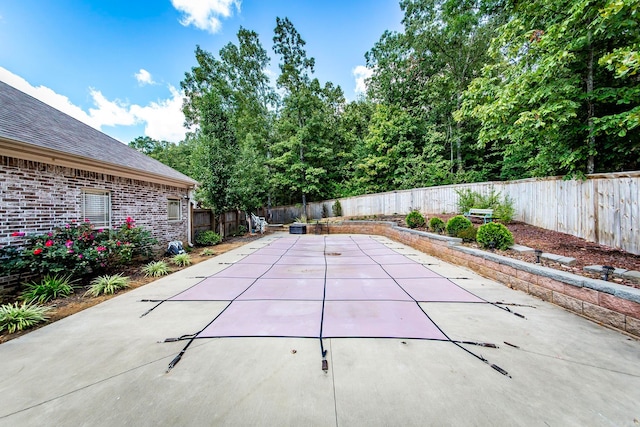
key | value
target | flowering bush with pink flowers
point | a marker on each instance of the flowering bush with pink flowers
(77, 249)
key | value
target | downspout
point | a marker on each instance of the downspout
(190, 204)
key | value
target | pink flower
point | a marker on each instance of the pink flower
(49, 243)
(38, 251)
(18, 234)
(69, 243)
(86, 220)
(50, 234)
(118, 243)
(67, 226)
(70, 251)
(80, 256)
(100, 230)
(101, 249)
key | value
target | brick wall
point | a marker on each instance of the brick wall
(608, 303)
(35, 197)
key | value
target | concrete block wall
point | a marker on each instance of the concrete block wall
(608, 303)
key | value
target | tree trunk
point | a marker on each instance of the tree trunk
(459, 138)
(590, 111)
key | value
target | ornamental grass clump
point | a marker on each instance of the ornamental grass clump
(415, 219)
(181, 260)
(107, 285)
(156, 269)
(49, 288)
(494, 235)
(18, 317)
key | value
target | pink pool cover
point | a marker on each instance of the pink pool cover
(325, 287)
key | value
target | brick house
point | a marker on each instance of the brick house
(55, 169)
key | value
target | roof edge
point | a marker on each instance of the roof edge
(24, 151)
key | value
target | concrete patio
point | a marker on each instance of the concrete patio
(107, 366)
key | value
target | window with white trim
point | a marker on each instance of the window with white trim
(173, 209)
(96, 207)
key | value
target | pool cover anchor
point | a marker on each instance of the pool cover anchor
(323, 352)
(177, 359)
(152, 308)
(479, 357)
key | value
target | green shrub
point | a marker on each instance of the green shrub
(78, 248)
(468, 234)
(181, 260)
(415, 219)
(49, 288)
(325, 211)
(468, 199)
(502, 206)
(494, 235)
(436, 225)
(505, 210)
(156, 269)
(208, 252)
(207, 238)
(107, 285)
(14, 317)
(336, 208)
(457, 224)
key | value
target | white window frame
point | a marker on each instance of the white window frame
(96, 207)
(171, 201)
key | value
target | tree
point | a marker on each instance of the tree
(425, 69)
(230, 99)
(546, 101)
(306, 123)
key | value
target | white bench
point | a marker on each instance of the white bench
(485, 214)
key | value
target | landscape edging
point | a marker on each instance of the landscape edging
(605, 302)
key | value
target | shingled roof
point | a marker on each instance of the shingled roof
(31, 124)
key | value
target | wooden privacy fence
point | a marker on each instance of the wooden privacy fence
(602, 208)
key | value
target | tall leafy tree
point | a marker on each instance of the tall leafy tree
(302, 155)
(546, 101)
(425, 69)
(230, 100)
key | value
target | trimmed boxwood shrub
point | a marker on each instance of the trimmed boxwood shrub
(436, 225)
(494, 234)
(415, 219)
(457, 224)
(468, 234)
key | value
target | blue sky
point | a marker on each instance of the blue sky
(117, 65)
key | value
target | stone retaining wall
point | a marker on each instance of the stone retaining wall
(608, 303)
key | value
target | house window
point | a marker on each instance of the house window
(96, 207)
(173, 209)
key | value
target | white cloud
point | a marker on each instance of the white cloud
(205, 14)
(144, 77)
(362, 73)
(163, 120)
